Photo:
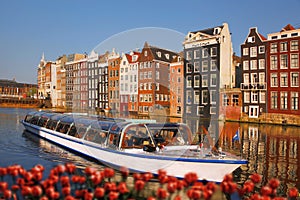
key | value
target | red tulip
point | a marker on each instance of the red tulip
(122, 188)
(266, 191)
(177, 197)
(99, 192)
(110, 186)
(151, 198)
(190, 177)
(248, 186)
(65, 181)
(172, 187)
(293, 193)
(228, 177)
(3, 186)
(96, 178)
(15, 188)
(75, 178)
(80, 193)
(66, 190)
(274, 183)
(211, 186)
(139, 185)
(28, 176)
(26, 191)
(113, 195)
(70, 168)
(38, 176)
(147, 176)
(109, 173)
(162, 193)
(82, 179)
(69, 197)
(7, 194)
(137, 176)
(3, 171)
(181, 184)
(162, 172)
(255, 178)
(124, 172)
(88, 196)
(37, 191)
(44, 198)
(163, 179)
(37, 168)
(89, 171)
(20, 181)
(60, 169)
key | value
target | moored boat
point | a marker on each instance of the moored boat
(142, 146)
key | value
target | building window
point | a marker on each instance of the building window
(200, 110)
(145, 53)
(204, 96)
(246, 108)
(204, 53)
(196, 97)
(246, 78)
(274, 80)
(235, 100)
(157, 75)
(254, 97)
(245, 51)
(188, 81)
(213, 64)
(178, 109)
(246, 65)
(213, 80)
(188, 109)
(213, 110)
(273, 62)
(261, 64)
(204, 81)
(251, 39)
(189, 68)
(294, 45)
(197, 54)
(189, 55)
(283, 100)
(157, 86)
(253, 51)
(262, 97)
(204, 65)
(197, 81)
(213, 51)
(197, 66)
(189, 97)
(213, 96)
(274, 97)
(253, 64)
(294, 79)
(261, 49)
(294, 60)
(283, 79)
(283, 46)
(273, 47)
(261, 78)
(284, 61)
(225, 100)
(294, 101)
(246, 97)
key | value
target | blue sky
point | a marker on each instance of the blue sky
(57, 27)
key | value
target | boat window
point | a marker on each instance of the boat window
(91, 134)
(42, 122)
(28, 118)
(136, 136)
(186, 133)
(63, 127)
(168, 136)
(81, 131)
(51, 124)
(34, 120)
(73, 131)
(113, 141)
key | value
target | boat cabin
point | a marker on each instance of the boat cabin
(114, 133)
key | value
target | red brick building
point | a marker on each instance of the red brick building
(283, 71)
(113, 83)
(154, 79)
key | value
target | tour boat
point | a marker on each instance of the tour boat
(141, 146)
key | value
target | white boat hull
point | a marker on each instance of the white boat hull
(138, 160)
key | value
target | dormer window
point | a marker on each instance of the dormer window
(167, 56)
(145, 53)
(158, 54)
(216, 31)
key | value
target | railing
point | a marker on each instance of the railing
(253, 86)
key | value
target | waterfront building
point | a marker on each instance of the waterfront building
(207, 69)
(11, 89)
(61, 81)
(113, 81)
(93, 78)
(41, 78)
(72, 66)
(253, 86)
(283, 71)
(176, 86)
(129, 83)
(154, 80)
(102, 103)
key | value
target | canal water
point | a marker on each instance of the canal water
(272, 150)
